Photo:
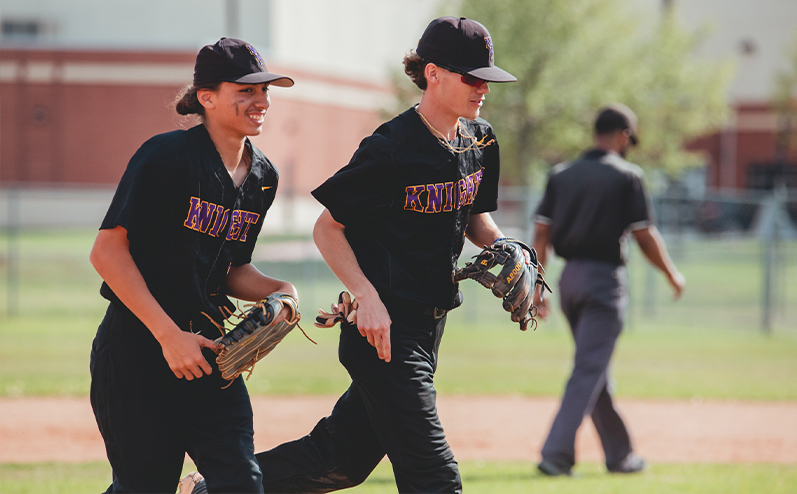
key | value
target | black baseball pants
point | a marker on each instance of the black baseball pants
(389, 409)
(149, 419)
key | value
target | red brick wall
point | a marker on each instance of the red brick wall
(55, 128)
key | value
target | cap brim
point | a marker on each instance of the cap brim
(261, 77)
(492, 74)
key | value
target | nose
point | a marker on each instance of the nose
(263, 101)
(484, 88)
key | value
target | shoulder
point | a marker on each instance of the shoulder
(178, 143)
(392, 135)
(561, 167)
(624, 167)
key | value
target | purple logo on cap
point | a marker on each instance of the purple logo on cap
(489, 44)
(263, 64)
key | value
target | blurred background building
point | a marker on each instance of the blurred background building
(84, 82)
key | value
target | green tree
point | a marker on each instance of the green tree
(573, 56)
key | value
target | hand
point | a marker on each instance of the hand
(373, 322)
(542, 307)
(183, 352)
(678, 283)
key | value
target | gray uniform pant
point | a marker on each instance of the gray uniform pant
(593, 296)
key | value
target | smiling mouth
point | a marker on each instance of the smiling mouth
(257, 117)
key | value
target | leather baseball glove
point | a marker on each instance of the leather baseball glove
(256, 335)
(346, 309)
(515, 282)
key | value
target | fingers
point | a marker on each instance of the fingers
(383, 349)
(185, 358)
(208, 343)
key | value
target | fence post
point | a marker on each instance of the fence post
(12, 278)
(771, 239)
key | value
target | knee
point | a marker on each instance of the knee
(436, 477)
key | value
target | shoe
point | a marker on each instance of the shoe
(630, 464)
(552, 470)
(193, 483)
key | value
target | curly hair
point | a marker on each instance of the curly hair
(187, 102)
(414, 66)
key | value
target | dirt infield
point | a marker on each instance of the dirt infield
(478, 427)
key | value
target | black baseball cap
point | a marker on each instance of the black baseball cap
(462, 45)
(233, 60)
(617, 117)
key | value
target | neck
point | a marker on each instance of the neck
(442, 124)
(230, 147)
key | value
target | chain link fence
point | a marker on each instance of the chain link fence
(736, 249)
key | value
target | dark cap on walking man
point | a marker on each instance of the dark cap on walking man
(614, 117)
(462, 45)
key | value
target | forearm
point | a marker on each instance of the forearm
(246, 282)
(111, 258)
(331, 241)
(182, 350)
(482, 230)
(542, 242)
(652, 245)
(373, 320)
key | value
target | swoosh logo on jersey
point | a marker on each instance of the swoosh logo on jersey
(266, 188)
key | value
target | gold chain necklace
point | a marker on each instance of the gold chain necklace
(480, 144)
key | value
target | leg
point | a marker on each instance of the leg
(340, 452)
(611, 429)
(219, 434)
(389, 408)
(596, 323)
(400, 400)
(132, 407)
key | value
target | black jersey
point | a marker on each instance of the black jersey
(591, 203)
(187, 222)
(405, 201)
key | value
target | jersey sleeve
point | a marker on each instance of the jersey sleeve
(143, 192)
(639, 208)
(487, 197)
(360, 188)
(544, 212)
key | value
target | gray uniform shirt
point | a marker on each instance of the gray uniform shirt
(591, 203)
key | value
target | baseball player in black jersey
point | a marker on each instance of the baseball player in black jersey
(175, 243)
(589, 206)
(395, 221)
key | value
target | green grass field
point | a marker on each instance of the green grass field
(707, 345)
(477, 477)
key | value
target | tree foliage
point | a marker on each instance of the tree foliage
(573, 56)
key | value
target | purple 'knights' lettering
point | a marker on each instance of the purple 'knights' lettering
(477, 179)
(249, 219)
(434, 201)
(221, 220)
(194, 208)
(461, 193)
(235, 225)
(469, 189)
(413, 201)
(449, 197)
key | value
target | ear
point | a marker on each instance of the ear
(206, 98)
(432, 73)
